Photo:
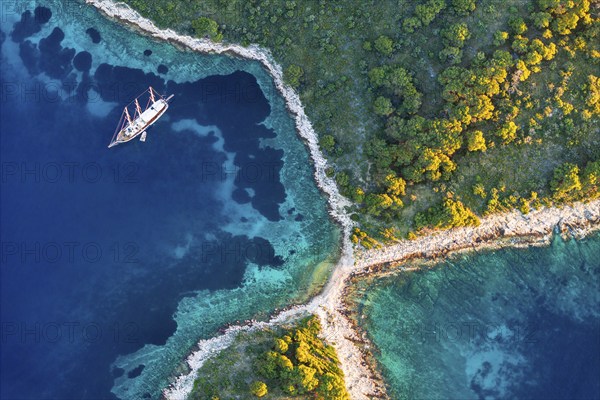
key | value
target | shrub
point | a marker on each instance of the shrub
(206, 27)
(500, 38)
(428, 11)
(292, 75)
(258, 389)
(411, 24)
(449, 214)
(384, 45)
(463, 7)
(517, 25)
(476, 141)
(383, 106)
(327, 143)
(565, 181)
(281, 346)
(451, 54)
(508, 132)
(456, 34)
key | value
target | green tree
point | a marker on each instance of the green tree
(206, 27)
(293, 74)
(591, 179)
(565, 181)
(549, 4)
(267, 365)
(383, 106)
(258, 389)
(332, 387)
(327, 143)
(463, 7)
(508, 132)
(398, 81)
(342, 179)
(377, 76)
(451, 54)
(396, 186)
(409, 25)
(456, 34)
(541, 19)
(520, 44)
(281, 345)
(384, 45)
(566, 22)
(449, 214)
(500, 38)
(517, 24)
(428, 11)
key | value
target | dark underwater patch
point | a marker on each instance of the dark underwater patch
(26, 27)
(144, 306)
(30, 24)
(83, 61)
(94, 35)
(162, 69)
(42, 14)
(55, 60)
(241, 196)
(30, 55)
(137, 371)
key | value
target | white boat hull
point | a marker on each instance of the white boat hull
(137, 126)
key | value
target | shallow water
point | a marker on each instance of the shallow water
(507, 324)
(115, 262)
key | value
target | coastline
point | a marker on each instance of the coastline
(514, 228)
(498, 231)
(336, 327)
(132, 19)
(362, 379)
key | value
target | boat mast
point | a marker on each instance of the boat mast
(127, 116)
(137, 107)
(151, 94)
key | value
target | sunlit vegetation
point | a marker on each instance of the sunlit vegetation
(290, 363)
(433, 112)
(207, 28)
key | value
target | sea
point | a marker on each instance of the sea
(115, 262)
(504, 324)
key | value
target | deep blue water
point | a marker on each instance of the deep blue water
(115, 262)
(506, 324)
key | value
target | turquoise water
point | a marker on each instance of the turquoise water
(216, 218)
(506, 324)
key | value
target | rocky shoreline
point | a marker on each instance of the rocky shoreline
(362, 379)
(513, 230)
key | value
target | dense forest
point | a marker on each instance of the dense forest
(432, 113)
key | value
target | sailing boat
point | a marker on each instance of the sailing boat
(129, 128)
